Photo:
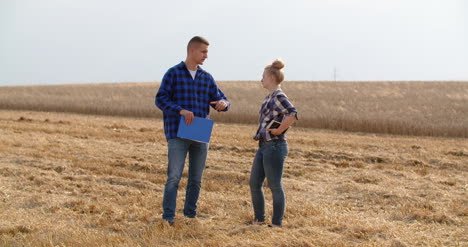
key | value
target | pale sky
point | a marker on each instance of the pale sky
(87, 41)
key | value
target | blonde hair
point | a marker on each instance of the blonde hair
(276, 69)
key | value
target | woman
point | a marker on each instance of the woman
(273, 147)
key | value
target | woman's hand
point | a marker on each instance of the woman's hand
(275, 132)
(287, 122)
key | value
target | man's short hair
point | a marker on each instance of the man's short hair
(197, 40)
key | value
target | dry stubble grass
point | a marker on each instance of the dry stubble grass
(77, 180)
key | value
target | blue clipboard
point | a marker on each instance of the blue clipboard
(199, 130)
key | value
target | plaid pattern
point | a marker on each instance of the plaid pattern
(275, 107)
(179, 91)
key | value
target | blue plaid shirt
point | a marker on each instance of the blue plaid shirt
(178, 91)
(275, 107)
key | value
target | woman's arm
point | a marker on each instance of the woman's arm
(287, 122)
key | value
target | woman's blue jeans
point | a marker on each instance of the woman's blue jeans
(268, 163)
(177, 152)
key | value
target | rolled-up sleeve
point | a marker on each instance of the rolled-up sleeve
(284, 106)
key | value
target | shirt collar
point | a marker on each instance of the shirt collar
(276, 92)
(183, 66)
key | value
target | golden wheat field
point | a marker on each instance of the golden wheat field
(81, 180)
(431, 108)
(87, 179)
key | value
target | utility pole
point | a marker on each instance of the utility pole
(334, 73)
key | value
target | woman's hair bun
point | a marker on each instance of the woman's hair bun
(278, 64)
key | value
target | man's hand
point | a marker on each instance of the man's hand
(188, 116)
(219, 105)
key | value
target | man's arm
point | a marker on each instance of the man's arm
(217, 98)
(163, 96)
(164, 102)
(219, 102)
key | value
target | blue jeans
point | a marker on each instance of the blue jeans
(269, 162)
(177, 152)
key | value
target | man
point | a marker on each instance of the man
(187, 90)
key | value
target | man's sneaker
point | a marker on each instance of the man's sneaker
(256, 223)
(170, 222)
(274, 226)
